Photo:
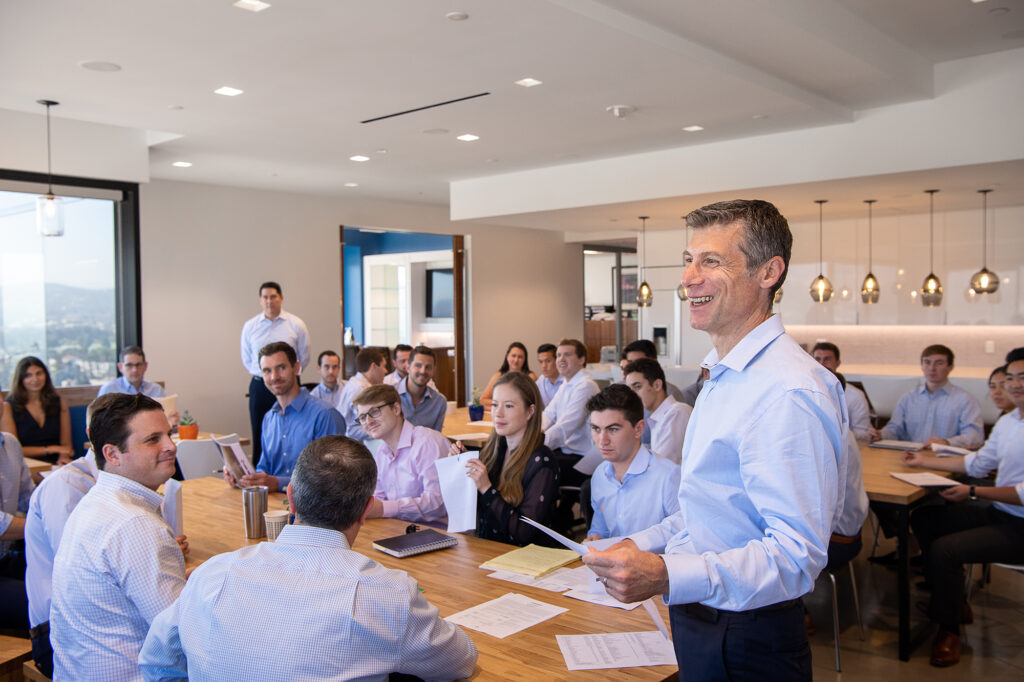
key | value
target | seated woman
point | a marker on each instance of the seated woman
(36, 415)
(516, 360)
(516, 474)
(997, 390)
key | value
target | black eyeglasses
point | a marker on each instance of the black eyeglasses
(372, 413)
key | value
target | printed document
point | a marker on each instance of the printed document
(506, 615)
(618, 650)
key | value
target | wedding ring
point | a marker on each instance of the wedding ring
(605, 580)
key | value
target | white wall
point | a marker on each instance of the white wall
(205, 248)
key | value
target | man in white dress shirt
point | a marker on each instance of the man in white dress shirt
(345, 616)
(827, 355)
(118, 564)
(369, 372)
(329, 389)
(666, 416)
(401, 359)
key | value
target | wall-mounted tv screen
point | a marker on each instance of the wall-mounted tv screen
(440, 293)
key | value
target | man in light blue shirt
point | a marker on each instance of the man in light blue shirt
(631, 490)
(937, 411)
(330, 388)
(422, 405)
(295, 420)
(762, 469)
(133, 366)
(549, 380)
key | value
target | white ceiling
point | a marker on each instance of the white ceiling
(312, 70)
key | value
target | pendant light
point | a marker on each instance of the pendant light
(931, 289)
(869, 291)
(984, 281)
(821, 289)
(49, 208)
(681, 289)
(644, 295)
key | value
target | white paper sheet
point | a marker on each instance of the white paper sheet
(470, 436)
(506, 615)
(655, 614)
(574, 546)
(590, 461)
(558, 580)
(618, 650)
(925, 480)
(170, 508)
(604, 543)
(482, 422)
(601, 598)
(458, 491)
(949, 450)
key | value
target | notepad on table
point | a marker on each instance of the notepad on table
(925, 480)
(942, 450)
(898, 445)
(531, 560)
(410, 544)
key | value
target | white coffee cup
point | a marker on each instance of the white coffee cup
(276, 521)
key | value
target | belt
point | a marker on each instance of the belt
(844, 539)
(709, 614)
(40, 631)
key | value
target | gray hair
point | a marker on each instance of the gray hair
(332, 481)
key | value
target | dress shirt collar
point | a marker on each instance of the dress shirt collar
(923, 389)
(639, 465)
(337, 387)
(297, 404)
(577, 378)
(143, 495)
(749, 347)
(553, 383)
(663, 409)
(404, 440)
(312, 536)
(402, 387)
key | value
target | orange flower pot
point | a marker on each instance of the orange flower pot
(188, 431)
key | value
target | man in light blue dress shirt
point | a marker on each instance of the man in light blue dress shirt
(549, 380)
(133, 366)
(762, 469)
(330, 388)
(422, 405)
(936, 411)
(345, 616)
(272, 324)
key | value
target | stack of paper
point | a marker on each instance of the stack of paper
(506, 615)
(532, 560)
(557, 581)
(619, 650)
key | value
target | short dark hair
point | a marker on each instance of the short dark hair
(938, 349)
(618, 397)
(381, 393)
(132, 350)
(649, 368)
(279, 347)
(547, 348)
(367, 357)
(827, 345)
(109, 422)
(270, 285)
(332, 482)
(581, 350)
(641, 346)
(423, 350)
(1001, 369)
(1015, 355)
(400, 348)
(766, 232)
(326, 354)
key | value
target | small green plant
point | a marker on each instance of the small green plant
(476, 396)
(186, 419)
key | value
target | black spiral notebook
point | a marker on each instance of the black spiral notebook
(409, 544)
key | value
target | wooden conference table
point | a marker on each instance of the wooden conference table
(457, 424)
(450, 579)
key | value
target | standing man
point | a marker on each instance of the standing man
(369, 372)
(329, 388)
(295, 419)
(827, 355)
(118, 565)
(421, 404)
(667, 417)
(133, 368)
(936, 411)
(762, 468)
(273, 324)
(549, 380)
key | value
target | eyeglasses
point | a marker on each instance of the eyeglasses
(132, 365)
(372, 413)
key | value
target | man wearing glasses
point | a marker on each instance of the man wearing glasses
(407, 486)
(132, 381)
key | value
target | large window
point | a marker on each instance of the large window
(69, 300)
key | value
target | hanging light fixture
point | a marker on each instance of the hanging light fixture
(49, 208)
(984, 281)
(821, 289)
(931, 289)
(681, 289)
(644, 295)
(869, 290)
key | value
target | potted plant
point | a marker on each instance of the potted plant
(476, 410)
(188, 429)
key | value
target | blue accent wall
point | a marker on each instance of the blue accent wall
(359, 244)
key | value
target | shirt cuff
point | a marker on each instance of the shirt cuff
(688, 581)
(389, 508)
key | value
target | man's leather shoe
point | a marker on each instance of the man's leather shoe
(945, 649)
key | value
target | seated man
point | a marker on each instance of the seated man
(133, 368)
(348, 617)
(421, 404)
(691, 392)
(667, 418)
(549, 380)
(369, 372)
(400, 356)
(937, 411)
(118, 564)
(407, 486)
(643, 348)
(295, 419)
(15, 488)
(566, 429)
(329, 389)
(631, 490)
(988, 528)
(827, 355)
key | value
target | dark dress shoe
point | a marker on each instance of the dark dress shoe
(945, 649)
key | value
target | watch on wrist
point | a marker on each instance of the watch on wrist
(971, 494)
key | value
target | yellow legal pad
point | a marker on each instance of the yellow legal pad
(532, 560)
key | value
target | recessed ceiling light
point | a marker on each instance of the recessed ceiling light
(977, 1)
(106, 67)
(228, 91)
(528, 82)
(351, 184)
(359, 157)
(435, 131)
(468, 137)
(457, 16)
(182, 164)
(251, 5)
(693, 129)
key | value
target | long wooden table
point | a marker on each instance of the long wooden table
(451, 579)
(886, 492)
(457, 423)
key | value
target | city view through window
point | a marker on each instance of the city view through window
(57, 294)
